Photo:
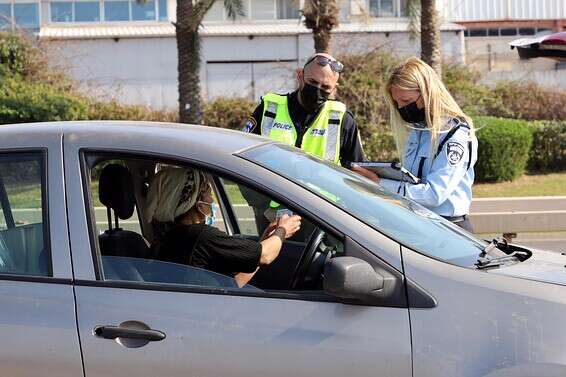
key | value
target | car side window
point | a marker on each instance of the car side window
(130, 197)
(23, 224)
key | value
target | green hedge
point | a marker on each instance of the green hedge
(228, 112)
(503, 148)
(548, 152)
(22, 101)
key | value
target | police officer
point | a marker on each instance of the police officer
(437, 140)
(307, 118)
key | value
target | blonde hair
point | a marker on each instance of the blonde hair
(414, 74)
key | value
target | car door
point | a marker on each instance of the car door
(147, 328)
(37, 316)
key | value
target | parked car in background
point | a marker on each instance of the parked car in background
(372, 285)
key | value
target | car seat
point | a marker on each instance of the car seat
(116, 192)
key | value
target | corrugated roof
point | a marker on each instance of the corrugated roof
(134, 30)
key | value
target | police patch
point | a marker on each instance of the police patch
(454, 153)
(249, 125)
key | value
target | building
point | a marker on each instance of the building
(492, 24)
(121, 49)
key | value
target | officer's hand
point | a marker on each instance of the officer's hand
(366, 173)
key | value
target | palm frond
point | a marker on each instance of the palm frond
(234, 8)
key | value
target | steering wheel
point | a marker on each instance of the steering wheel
(308, 257)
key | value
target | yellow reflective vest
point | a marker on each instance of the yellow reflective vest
(321, 139)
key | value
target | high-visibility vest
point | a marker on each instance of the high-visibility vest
(321, 139)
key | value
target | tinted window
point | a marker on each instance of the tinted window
(478, 32)
(61, 12)
(87, 11)
(143, 12)
(23, 249)
(404, 221)
(163, 10)
(527, 31)
(27, 16)
(287, 9)
(493, 32)
(116, 11)
(508, 32)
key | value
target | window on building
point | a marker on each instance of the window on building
(478, 32)
(61, 11)
(5, 16)
(27, 15)
(116, 10)
(508, 32)
(143, 12)
(383, 8)
(527, 31)
(87, 11)
(288, 9)
(163, 10)
(493, 32)
(262, 10)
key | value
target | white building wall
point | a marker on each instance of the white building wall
(492, 10)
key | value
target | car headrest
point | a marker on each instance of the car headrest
(116, 190)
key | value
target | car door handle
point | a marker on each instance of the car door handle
(113, 332)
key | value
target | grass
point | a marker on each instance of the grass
(527, 185)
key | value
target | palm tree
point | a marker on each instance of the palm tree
(190, 14)
(430, 35)
(321, 16)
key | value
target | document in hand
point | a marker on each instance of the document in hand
(390, 170)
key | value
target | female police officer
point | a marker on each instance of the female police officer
(435, 139)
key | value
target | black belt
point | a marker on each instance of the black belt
(456, 219)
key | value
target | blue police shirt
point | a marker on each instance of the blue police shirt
(447, 178)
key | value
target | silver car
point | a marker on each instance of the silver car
(372, 285)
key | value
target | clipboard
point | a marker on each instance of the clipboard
(390, 170)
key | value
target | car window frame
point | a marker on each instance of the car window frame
(43, 154)
(216, 171)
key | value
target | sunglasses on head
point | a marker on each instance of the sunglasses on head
(323, 61)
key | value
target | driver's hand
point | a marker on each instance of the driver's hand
(291, 224)
(366, 173)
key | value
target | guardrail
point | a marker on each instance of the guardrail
(534, 221)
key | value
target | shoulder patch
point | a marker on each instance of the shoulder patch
(454, 152)
(249, 126)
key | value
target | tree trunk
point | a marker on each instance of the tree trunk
(430, 35)
(321, 40)
(188, 65)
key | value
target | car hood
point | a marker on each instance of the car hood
(545, 266)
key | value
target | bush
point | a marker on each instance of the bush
(503, 148)
(548, 152)
(228, 112)
(116, 111)
(22, 101)
(528, 101)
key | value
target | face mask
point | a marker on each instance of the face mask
(411, 113)
(312, 97)
(210, 219)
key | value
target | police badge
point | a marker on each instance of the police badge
(249, 126)
(454, 153)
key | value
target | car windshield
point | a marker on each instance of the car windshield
(400, 219)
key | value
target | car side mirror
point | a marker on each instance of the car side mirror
(353, 278)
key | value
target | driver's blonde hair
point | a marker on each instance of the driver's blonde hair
(439, 105)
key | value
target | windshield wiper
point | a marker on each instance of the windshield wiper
(492, 256)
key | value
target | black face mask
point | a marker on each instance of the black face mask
(411, 113)
(312, 97)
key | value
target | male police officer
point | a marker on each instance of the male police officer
(307, 118)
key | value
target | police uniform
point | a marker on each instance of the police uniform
(447, 177)
(331, 133)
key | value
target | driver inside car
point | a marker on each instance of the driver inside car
(181, 211)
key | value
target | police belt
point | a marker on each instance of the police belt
(456, 219)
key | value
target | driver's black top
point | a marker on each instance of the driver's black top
(204, 246)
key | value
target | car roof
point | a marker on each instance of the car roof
(227, 141)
